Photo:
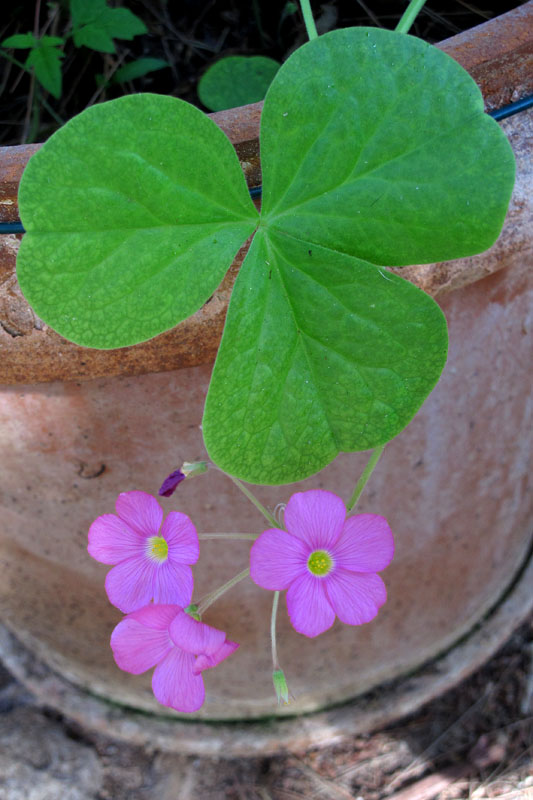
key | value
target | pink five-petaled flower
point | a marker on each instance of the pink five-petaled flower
(326, 561)
(151, 564)
(179, 647)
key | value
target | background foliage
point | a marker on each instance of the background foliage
(189, 37)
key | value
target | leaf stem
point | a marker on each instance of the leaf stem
(367, 472)
(210, 598)
(275, 662)
(409, 15)
(260, 507)
(250, 536)
(308, 19)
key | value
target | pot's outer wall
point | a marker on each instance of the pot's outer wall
(454, 486)
(498, 55)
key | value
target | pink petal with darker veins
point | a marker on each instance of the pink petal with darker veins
(141, 511)
(317, 517)
(111, 540)
(366, 544)
(355, 596)
(174, 683)
(156, 616)
(137, 648)
(129, 585)
(207, 662)
(173, 583)
(309, 609)
(277, 558)
(195, 637)
(180, 533)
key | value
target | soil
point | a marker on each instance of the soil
(190, 36)
(475, 742)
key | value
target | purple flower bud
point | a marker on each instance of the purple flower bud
(170, 484)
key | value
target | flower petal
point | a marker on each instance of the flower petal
(207, 662)
(309, 609)
(366, 544)
(173, 583)
(174, 683)
(180, 533)
(315, 516)
(111, 540)
(277, 558)
(156, 616)
(137, 648)
(129, 585)
(141, 511)
(195, 637)
(355, 596)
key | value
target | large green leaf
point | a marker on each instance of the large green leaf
(128, 230)
(321, 353)
(376, 144)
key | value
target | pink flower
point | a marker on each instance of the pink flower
(181, 647)
(150, 564)
(326, 561)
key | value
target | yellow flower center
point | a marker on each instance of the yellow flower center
(319, 563)
(157, 548)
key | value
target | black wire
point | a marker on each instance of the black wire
(512, 108)
(255, 191)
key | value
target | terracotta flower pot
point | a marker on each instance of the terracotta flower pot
(78, 426)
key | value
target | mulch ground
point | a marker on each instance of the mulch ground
(474, 742)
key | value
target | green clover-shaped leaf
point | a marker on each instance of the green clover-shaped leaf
(375, 152)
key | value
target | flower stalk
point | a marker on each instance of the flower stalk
(210, 598)
(367, 472)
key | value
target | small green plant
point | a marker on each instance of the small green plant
(94, 25)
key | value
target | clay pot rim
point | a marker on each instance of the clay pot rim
(494, 53)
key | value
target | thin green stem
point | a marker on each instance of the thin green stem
(210, 598)
(308, 19)
(409, 15)
(367, 472)
(250, 536)
(275, 662)
(260, 507)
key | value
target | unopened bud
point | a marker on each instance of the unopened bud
(280, 686)
(188, 470)
(192, 611)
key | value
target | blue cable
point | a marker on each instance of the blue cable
(255, 191)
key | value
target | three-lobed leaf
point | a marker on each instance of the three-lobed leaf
(95, 24)
(44, 56)
(375, 152)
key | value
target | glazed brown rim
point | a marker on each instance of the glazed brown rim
(498, 56)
